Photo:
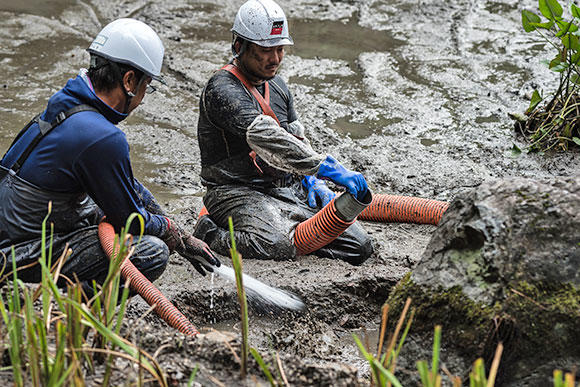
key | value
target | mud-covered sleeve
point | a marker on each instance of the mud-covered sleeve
(292, 116)
(281, 149)
(228, 105)
(295, 127)
(149, 202)
(104, 171)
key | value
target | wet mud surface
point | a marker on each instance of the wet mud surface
(415, 95)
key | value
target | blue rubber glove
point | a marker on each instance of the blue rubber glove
(354, 182)
(317, 189)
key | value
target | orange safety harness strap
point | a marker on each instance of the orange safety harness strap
(263, 101)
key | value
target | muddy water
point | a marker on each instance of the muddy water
(415, 95)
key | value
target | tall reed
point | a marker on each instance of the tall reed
(57, 343)
(237, 264)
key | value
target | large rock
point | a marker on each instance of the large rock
(504, 265)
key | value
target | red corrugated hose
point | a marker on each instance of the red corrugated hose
(404, 209)
(140, 284)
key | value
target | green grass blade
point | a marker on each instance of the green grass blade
(114, 338)
(386, 373)
(237, 264)
(362, 349)
(130, 219)
(64, 376)
(31, 339)
(122, 307)
(58, 368)
(558, 378)
(436, 348)
(192, 376)
(424, 373)
(15, 327)
(263, 366)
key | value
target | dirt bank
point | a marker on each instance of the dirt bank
(414, 95)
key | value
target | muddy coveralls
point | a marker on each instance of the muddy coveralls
(261, 191)
(74, 155)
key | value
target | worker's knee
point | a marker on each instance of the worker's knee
(353, 247)
(284, 248)
(363, 251)
(151, 256)
(277, 247)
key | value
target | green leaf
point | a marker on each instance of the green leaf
(551, 9)
(575, 79)
(561, 67)
(528, 18)
(571, 42)
(516, 151)
(546, 25)
(565, 27)
(575, 58)
(577, 141)
(574, 10)
(536, 99)
(554, 62)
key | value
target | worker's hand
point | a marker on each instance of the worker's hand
(354, 182)
(196, 251)
(317, 190)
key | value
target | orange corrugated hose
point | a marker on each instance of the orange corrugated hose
(325, 226)
(139, 283)
(404, 209)
(318, 231)
(398, 209)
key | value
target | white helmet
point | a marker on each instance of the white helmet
(131, 42)
(262, 22)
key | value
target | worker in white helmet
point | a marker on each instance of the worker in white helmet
(257, 163)
(75, 156)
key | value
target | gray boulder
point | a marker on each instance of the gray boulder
(504, 265)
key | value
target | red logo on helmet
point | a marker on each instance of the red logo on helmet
(277, 28)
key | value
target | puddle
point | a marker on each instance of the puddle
(357, 130)
(42, 8)
(429, 142)
(337, 40)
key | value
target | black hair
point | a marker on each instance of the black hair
(106, 75)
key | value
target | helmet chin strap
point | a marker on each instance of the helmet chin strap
(128, 93)
(128, 97)
(243, 46)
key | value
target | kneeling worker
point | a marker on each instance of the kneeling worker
(257, 164)
(75, 156)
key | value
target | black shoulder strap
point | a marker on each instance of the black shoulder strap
(45, 128)
(36, 117)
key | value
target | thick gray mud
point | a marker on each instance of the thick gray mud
(415, 95)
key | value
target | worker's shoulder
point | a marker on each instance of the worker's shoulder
(223, 86)
(278, 85)
(91, 127)
(222, 77)
(92, 122)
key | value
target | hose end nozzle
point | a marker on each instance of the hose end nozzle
(348, 206)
